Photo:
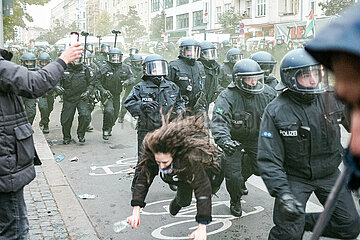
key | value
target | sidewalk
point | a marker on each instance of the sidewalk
(54, 211)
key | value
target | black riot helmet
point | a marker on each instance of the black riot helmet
(189, 48)
(248, 76)
(155, 66)
(90, 47)
(266, 61)
(208, 51)
(104, 48)
(44, 59)
(136, 60)
(233, 56)
(115, 55)
(88, 58)
(28, 60)
(226, 44)
(133, 50)
(301, 73)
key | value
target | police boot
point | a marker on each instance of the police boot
(235, 208)
(106, 135)
(244, 190)
(120, 120)
(89, 128)
(174, 207)
(66, 141)
(81, 139)
(45, 129)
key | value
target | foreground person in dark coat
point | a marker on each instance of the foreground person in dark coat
(17, 149)
(182, 153)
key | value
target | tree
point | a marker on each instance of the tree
(17, 19)
(157, 26)
(333, 7)
(58, 32)
(130, 25)
(104, 25)
(229, 20)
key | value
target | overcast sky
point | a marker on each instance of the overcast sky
(41, 14)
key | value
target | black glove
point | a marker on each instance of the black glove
(6, 54)
(107, 94)
(290, 207)
(229, 147)
(59, 90)
(149, 106)
(85, 95)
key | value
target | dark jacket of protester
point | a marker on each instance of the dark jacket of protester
(17, 149)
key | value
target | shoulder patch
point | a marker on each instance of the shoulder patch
(219, 110)
(267, 134)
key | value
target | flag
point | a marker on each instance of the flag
(310, 25)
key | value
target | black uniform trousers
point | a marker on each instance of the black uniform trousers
(46, 105)
(67, 117)
(30, 109)
(140, 135)
(344, 223)
(111, 112)
(123, 109)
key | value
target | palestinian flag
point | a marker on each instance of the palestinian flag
(310, 24)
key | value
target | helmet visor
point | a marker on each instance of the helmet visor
(90, 48)
(192, 52)
(136, 64)
(235, 58)
(311, 79)
(115, 58)
(29, 64)
(268, 68)
(209, 54)
(252, 83)
(105, 49)
(156, 68)
(133, 51)
(43, 63)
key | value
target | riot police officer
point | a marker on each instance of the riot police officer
(76, 86)
(232, 56)
(235, 126)
(190, 76)
(136, 68)
(90, 47)
(224, 48)
(150, 96)
(113, 77)
(208, 56)
(300, 151)
(46, 102)
(268, 65)
(102, 56)
(28, 60)
(132, 51)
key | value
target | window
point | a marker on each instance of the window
(198, 18)
(196, 0)
(313, 6)
(181, 2)
(169, 23)
(248, 8)
(227, 7)
(182, 21)
(260, 8)
(155, 5)
(168, 3)
(288, 7)
(218, 13)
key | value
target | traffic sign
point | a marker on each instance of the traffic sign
(241, 25)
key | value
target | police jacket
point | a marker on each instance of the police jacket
(166, 94)
(300, 140)
(189, 78)
(100, 59)
(114, 77)
(138, 73)
(77, 80)
(17, 149)
(225, 76)
(198, 180)
(237, 115)
(271, 81)
(212, 87)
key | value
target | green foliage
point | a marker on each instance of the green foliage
(58, 32)
(157, 26)
(103, 25)
(130, 25)
(333, 7)
(229, 21)
(18, 17)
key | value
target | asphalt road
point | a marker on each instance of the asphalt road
(104, 169)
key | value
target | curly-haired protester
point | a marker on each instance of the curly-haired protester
(181, 151)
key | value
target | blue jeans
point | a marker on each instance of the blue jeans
(13, 216)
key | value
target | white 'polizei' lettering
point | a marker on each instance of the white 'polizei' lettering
(288, 133)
